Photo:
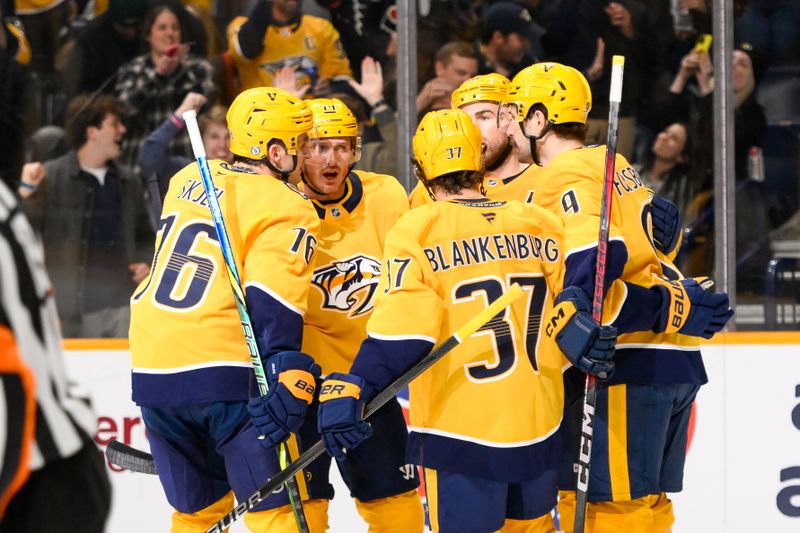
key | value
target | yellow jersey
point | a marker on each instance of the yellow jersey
(186, 339)
(32, 7)
(517, 187)
(312, 46)
(491, 407)
(571, 186)
(349, 254)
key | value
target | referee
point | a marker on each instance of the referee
(68, 488)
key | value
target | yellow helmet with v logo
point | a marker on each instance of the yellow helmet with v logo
(259, 115)
(563, 90)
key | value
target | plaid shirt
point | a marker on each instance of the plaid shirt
(150, 99)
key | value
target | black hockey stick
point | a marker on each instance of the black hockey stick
(590, 389)
(130, 458)
(377, 402)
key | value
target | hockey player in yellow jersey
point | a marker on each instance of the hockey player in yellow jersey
(642, 411)
(277, 34)
(191, 371)
(485, 419)
(356, 210)
(506, 175)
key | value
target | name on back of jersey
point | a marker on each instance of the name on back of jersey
(489, 248)
(348, 285)
(193, 191)
(626, 181)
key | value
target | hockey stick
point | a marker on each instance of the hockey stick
(590, 387)
(190, 117)
(130, 458)
(377, 402)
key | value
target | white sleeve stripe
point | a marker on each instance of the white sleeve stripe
(189, 368)
(276, 296)
(382, 337)
(591, 245)
(656, 346)
(482, 442)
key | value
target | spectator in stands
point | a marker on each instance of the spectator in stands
(666, 170)
(772, 26)
(377, 155)
(103, 46)
(456, 62)
(154, 158)
(43, 21)
(14, 55)
(276, 34)
(618, 28)
(153, 85)
(364, 27)
(752, 220)
(92, 219)
(694, 100)
(509, 39)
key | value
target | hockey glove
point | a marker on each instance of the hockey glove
(292, 381)
(340, 419)
(667, 228)
(692, 309)
(587, 346)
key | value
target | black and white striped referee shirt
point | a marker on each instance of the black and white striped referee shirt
(63, 423)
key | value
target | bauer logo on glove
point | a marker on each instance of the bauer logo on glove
(333, 389)
(297, 381)
(679, 308)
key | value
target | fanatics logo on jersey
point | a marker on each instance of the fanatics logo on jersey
(492, 182)
(349, 285)
(336, 212)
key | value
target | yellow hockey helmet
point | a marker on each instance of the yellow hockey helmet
(262, 114)
(484, 88)
(447, 141)
(332, 118)
(563, 90)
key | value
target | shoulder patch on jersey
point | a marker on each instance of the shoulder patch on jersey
(349, 285)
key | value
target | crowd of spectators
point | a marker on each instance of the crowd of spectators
(69, 66)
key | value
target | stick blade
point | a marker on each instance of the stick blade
(129, 458)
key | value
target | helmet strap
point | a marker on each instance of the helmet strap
(534, 138)
(500, 159)
(308, 184)
(284, 174)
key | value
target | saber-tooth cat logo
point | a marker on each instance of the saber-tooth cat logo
(349, 285)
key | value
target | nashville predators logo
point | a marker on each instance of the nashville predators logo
(349, 285)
